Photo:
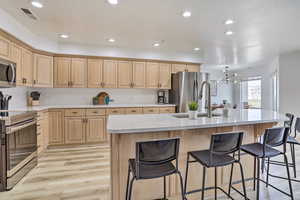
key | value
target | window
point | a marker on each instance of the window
(251, 93)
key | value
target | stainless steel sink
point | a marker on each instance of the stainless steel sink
(185, 115)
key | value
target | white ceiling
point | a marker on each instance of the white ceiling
(263, 28)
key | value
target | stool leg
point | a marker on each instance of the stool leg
(216, 183)
(203, 182)
(130, 188)
(293, 159)
(254, 174)
(127, 186)
(289, 177)
(181, 186)
(165, 195)
(268, 171)
(186, 173)
(243, 180)
(258, 179)
(230, 180)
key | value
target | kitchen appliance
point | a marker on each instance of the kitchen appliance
(186, 88)
(7, 74)
(162, 96)
(18, 147)
(34, 98)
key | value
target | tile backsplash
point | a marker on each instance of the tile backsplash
(18, 94)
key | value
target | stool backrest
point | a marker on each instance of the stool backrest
(275, 137)
(226, 143)
(289, 122)
(297, 126)
(156, 152)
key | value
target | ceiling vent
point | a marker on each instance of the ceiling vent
(29, 13)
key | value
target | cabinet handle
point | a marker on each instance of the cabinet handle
(74, 112)
(34, 82)
(133, 111)
(95, 112)
(25, 80)
(115, 111)
(151, 110)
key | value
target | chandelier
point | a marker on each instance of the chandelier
(229, 77)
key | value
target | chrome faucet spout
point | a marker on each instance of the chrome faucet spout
(208, 97)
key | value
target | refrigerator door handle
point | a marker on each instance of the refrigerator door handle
(197, 91)
(194, 91)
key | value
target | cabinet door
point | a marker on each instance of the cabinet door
(43, 71)
(165, 76)
(152, 75)
(139, 75)
(193, 68)
(167, 110)
(78, 72)
(62, 68)
(74, 130)
(95, 129)
(16, 56)
(95, 73)
(27, 67)
(56, 127)
(110, 73)
(124, 74)
(4, 48)
(178, 68)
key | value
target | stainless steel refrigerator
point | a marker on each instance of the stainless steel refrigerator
(186, 88)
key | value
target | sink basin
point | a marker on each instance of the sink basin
(185, 115)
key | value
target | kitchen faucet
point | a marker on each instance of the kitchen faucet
(208, 97)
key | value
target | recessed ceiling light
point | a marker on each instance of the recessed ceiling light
(229, 32)
(156, 44)
(196, 49)
(111, 40)
(186, 14)
(113, 2)
(229, 21)
(65, 36)
(37, 3)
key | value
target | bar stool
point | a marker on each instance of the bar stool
(154, 160)
(273, 137)
(219, 155)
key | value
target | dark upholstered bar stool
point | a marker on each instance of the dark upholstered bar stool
(222, 146)
(273, 137)
(154, 160)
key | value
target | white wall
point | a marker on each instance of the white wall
(224, 91)
(265, 71)
(289, 82)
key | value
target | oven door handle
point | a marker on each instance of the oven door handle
(15, 128)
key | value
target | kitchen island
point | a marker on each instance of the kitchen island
(125, 131)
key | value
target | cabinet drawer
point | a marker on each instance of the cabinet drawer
(134, 111)
(151, 110)
(115, 111)
(167, 110)
(74, 112)
(95, 112)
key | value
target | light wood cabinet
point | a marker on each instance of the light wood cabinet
(56, 127)
(42, 131)
(125, 74)
(62, 67)
(158, 75)
(151, 110)
(129, 111)
(78, 73)
(27, 67)
(43, 71)
(16, 56)
(115, 111)
(139, 75)
(4, 48)
(185, 68)
(166, 110)
(74, 130)
(193, 68)
(110, 71)
(95, 73)
(96, 129)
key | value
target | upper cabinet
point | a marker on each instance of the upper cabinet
(158, 75)
(16, 56)
(185, 68)
(131, 74)
(43, 71)
(27, 67)
(4, 48)
(110, 73)
(95, 73)
(139, 74)
(70, 72)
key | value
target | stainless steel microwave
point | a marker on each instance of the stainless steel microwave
(7, 74)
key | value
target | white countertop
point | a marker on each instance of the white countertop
(167, 122)
(45, 107)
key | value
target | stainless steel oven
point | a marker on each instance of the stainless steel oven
(18, 147)
(7, 74)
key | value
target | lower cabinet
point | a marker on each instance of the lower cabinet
(74, 130)
(56, 127)
(96, 129)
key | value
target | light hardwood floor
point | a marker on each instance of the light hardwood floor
(83, 173)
